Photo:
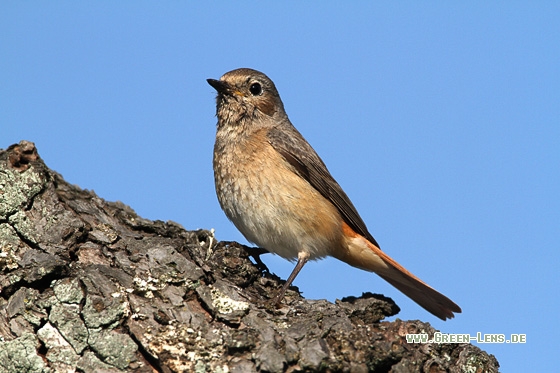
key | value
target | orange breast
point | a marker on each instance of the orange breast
(271, 204)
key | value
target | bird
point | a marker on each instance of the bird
(280, 195)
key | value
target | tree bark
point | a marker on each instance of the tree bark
(87, 285)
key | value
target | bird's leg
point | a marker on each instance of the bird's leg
(303, 257)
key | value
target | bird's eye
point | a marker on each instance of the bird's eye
(255, 89)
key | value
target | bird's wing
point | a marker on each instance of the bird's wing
(305, 161)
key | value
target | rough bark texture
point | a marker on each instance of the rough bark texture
(87, 285)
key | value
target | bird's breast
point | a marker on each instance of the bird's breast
(269, 203)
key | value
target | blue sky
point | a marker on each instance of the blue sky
(440, 120)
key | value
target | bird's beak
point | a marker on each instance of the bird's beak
(220, 86)
(223, 87)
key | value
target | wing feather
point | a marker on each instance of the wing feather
(305, 161)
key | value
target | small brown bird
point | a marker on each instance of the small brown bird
(277, 191)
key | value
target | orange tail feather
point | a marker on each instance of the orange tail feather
(363, 254)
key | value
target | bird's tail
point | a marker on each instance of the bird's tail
(363, 254)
